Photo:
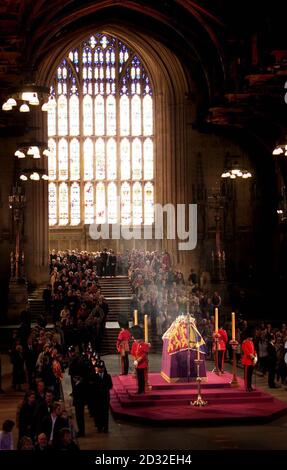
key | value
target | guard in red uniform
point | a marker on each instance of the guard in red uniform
(140, 351)
(222, 342)
(249, 360)
(123, 347)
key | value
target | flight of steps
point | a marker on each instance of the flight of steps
(118, 293)
(36, 303)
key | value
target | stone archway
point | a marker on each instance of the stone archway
(175, 110)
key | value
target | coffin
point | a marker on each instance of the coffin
(182, 345)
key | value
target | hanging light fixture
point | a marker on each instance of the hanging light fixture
(29, 94)
(281, 147)
(32, 149)
(236, 173)
(233, 170)
(280, 150)
(33, 174)
(277, 151)
(24, 108)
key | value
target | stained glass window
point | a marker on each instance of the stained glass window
(126, 204)
(99, 115)
(137, 159)
(100, 204)
(111, 159)
(125, 159)
(52, 204)
(52, 118)
(88, 159)
(111, 115)
(100, 159)
(63, 163)
(148, 159)
(74, 159)
(63, 204)
(89, 203)
(148, 203)
(147, 115)
(52, 160)
(112, 203)
(101, 137)
(124, 115)
(75, 204)
(137, 203)
(62, 115)
(136, 115)
(74, 115)
(88, 115)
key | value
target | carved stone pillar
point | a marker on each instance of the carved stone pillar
(173, 179)
(36, 215)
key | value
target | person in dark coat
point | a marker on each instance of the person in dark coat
(271, 362)
(75, 365)
(79, 401)
(30, 355)
(41, 446)
(112, 263)
(43, 409)
(18, 373)
(24, 329)
(52, 425)
(27, 425)
(104, 258)
(66, 443)
(102, 384)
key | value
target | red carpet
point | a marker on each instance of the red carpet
(170, 403)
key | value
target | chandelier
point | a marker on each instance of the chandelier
(28, 95)
(33, 174)
(33, 149)
(236, 172)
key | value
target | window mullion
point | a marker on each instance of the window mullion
(81, 136)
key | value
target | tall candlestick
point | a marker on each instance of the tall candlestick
(146, 328)
(233, 326)
(216, 320)
(198, 351)
(136, 320)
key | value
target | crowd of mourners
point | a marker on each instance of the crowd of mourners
(46, 420)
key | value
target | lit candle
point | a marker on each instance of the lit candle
(136, 322)
(233, 326)
(216, 320)
(146, 328)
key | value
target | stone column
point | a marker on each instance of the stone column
(36, 239)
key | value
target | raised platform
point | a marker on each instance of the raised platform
(169, 403)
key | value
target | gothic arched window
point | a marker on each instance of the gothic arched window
(100, 128)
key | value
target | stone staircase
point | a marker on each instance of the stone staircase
(36, 302)
(118, 293)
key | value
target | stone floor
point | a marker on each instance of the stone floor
(127, 436)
